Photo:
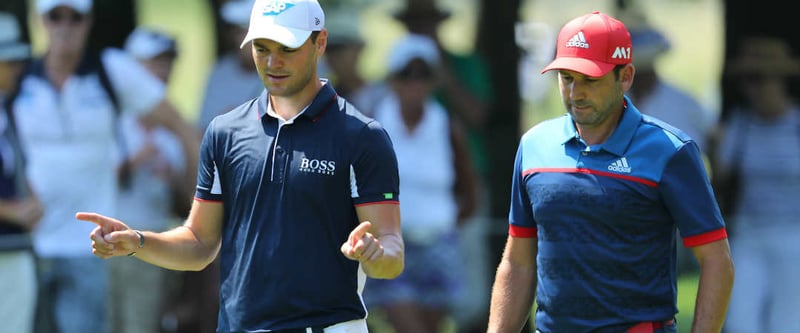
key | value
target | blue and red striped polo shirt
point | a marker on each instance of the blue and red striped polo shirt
(605, 217)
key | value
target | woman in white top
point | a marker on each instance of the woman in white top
(438, 187)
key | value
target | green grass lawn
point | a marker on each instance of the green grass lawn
(687, 290)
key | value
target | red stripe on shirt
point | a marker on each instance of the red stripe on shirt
(522, 232)
(705, 238)
(592, 172)
(388, 202)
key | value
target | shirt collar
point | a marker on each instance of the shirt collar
(622, 136)
(313, 111)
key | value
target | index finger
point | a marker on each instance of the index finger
(104, 222)
(359, 232)
(95, 218)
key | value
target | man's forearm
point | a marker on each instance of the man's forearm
(512, 298)
(713, 295)
(177, 249)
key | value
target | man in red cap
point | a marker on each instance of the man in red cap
(597, 195)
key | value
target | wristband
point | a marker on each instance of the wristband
(141, 238)
(141, 242)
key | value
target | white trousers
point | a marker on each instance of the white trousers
(766, 292)
(17, 291)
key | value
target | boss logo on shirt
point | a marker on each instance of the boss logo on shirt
(323, 167)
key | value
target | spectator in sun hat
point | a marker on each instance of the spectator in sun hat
(757, 175)
(297, 194)
(438, 189)
(233, 78)
(20, 210)
(653, 93)
(63, 110)
(597, 196)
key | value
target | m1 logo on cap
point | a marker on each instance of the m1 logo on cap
(276, 7)
(621, 53)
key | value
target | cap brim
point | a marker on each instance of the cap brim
(288, 37)
(580, 65)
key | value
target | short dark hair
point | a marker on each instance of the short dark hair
(314, 35)
(617, 69)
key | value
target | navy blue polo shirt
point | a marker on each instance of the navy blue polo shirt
(289, 194)
(605, 217)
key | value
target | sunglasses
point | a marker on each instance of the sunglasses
(65, 16)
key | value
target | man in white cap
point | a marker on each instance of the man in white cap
(20, 210)
(67, 113)
(297, 193)
(597, 195)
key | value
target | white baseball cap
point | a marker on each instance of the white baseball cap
(236, 12)
(11, 45)
(410, 47)
(288, 22)
(80, 6)
(146, 43)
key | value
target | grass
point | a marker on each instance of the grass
(687, 291)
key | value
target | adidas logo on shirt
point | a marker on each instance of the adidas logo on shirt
(620, 165)
(578, 41)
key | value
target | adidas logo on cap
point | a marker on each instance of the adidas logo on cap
(579, 40)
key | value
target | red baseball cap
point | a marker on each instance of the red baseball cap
(592, 45)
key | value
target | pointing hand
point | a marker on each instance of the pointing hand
(362, 245)
(111, 237)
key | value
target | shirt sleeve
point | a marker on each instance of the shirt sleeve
(208, 178)
(520, 216)
(374, 175)
(687, 194)
(137, 90)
